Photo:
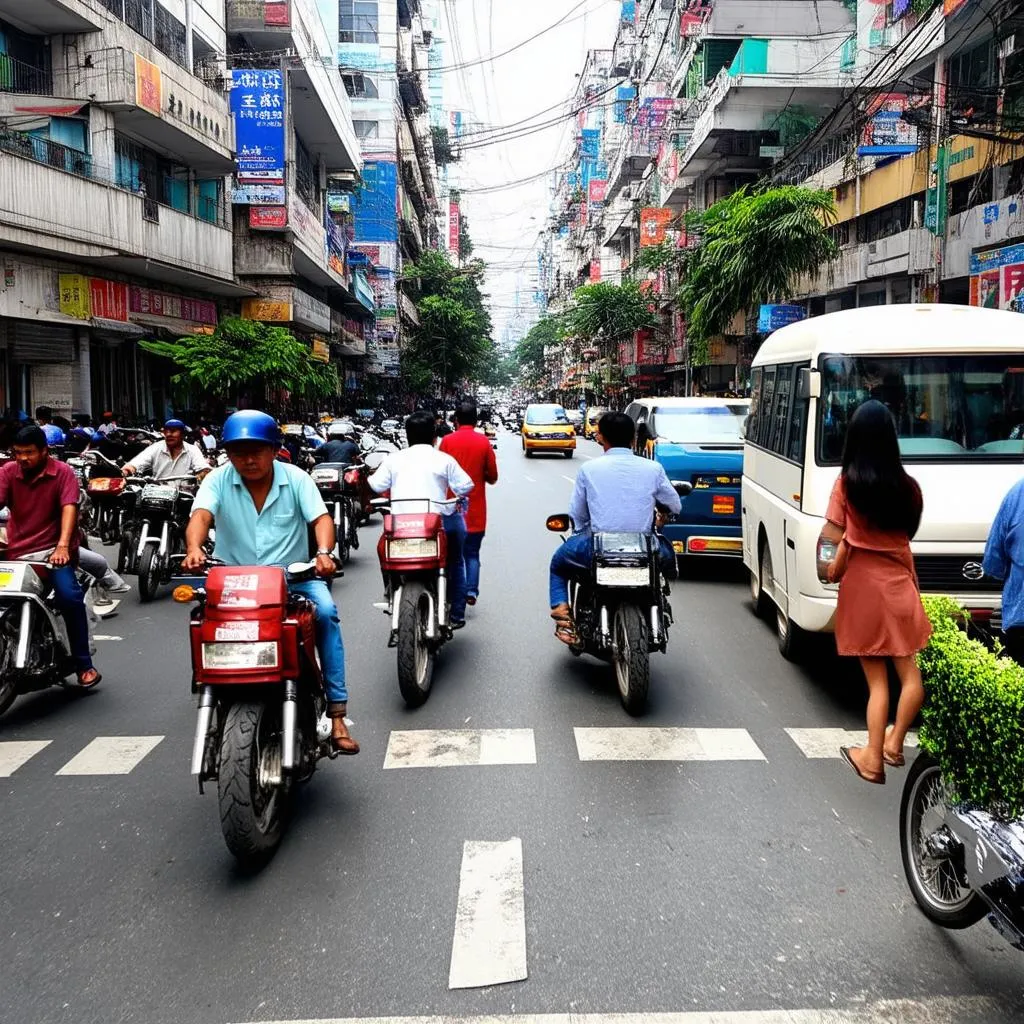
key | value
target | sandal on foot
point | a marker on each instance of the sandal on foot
(88, 684)
(893, 760)
(878, 778)
(566, 632)
(344, 744)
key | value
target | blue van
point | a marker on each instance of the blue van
(699, 440)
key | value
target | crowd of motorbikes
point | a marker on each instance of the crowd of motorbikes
(261, 725)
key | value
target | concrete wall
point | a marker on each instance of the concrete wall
(788, 18)
(968, 231)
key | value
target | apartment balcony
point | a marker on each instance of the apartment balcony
(630, 161)
(18, 77)
(985, 226)
(156, 101)
(52, 17)
(54, 199)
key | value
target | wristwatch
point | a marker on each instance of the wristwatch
(324, 551)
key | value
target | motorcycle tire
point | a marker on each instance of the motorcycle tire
(253, 813)
(631, 659)
(149, 573)
(344, 542)
(125, 553)
(937, 887)
(353, 526)
(415, 657)
(8, 688)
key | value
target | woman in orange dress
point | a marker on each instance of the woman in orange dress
(874, 512)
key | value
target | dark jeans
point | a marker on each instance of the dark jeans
(471, 551)
(576, 553)
(455, 529)
(70, 600)
(1013, 641)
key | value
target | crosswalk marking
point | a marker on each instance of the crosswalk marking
(447, 748)
(933, 1010)
(110, 755)
(14, 753)
(635, 744)
(489, 946)
(826, 742)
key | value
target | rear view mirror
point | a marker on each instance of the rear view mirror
(682, 487)
(558, 524)
(808, 384)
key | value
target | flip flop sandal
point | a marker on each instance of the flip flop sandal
(897, 761)
(344, 745)
(92, 682)
(878, 778)
(566, 632)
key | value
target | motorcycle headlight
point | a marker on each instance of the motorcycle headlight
(413, 547)
(623, 576)
(263, 654)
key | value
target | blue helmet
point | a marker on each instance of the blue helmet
(250, 425)
(175, 425)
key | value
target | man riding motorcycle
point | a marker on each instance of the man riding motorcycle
(169, 457)
(341, 445)
(617, 493)
(261, 508)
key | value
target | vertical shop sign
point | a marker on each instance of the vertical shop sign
(148, 86)
(257, 105)
(936, 198)
(109, 299)
(73, 300)
(453, 228)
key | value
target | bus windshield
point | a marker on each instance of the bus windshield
(701, 424)
(946, 407)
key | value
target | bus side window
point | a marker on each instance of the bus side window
(750, 427)
(797, 422)
(764, 419)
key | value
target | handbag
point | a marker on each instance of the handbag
(831, 553)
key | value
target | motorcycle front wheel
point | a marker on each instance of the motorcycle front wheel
(933, 858)
(8, 646)
(149, 573)
(415, 657)
(631, 657)
(254, 807)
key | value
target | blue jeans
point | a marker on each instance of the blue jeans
(455, 528)
(328, 638)
(471, 552)
(70, 600)
(577, 553)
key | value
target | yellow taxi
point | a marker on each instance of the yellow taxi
(546, 428)
(594, 413)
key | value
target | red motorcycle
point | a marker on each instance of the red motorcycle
(413, 553)
(261, 726)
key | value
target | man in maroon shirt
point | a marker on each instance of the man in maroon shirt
(42, 495)
(473, 452)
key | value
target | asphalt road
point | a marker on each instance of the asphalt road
(738, 874)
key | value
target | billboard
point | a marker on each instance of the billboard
(257, 105)
(886, 133)
(654, 222)
(771, 318)
(997, 278)
(453, 228)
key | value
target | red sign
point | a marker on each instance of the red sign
(145, 300)
(268, 217)
(453, 228)
(109, 299)
(598, 189)
(276, 12)
(595, 271)
(654, 222)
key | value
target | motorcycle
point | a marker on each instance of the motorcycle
(105, 492)
(336, 483)
(261, 725)
(153, 530)
(413, 554)
(960, 862)
(619, 604)
(34, 649)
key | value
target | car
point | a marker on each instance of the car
(546, 428)
(594, 413)
(576, 419)
(699, 441)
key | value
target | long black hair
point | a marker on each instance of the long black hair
(877, 485)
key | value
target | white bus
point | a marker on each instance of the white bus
(953, 377)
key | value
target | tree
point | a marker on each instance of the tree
(246, 356)
(529, 354)
(754, 245)
(612, 312)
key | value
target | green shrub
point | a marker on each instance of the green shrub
(973, 717)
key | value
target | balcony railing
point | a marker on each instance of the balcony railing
(43, 151)
(17, 76)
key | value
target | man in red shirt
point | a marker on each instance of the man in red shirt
(473, 452)
(42, 495)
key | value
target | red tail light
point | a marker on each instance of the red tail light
(106, 485)
(352, 476)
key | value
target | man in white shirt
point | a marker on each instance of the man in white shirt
(422, 473)
(169, 457)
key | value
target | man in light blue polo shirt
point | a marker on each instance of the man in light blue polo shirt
(261, 509)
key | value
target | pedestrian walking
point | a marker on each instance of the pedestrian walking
(473, 452)
(873, 514)
(1004, 560)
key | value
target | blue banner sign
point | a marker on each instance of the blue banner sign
(771, 318)
(993, 259)
(257, 104)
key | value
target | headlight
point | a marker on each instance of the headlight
(413, 547)
(623, 576)
(325, 476)
(240, 655)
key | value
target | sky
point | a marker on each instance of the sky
(504, 223)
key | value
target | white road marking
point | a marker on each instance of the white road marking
(110, 755)
(826, 742)
(14, 753)
(102, 636)
(448, 748)
(937, 1010)
(571, 479)
(530, 478)
(635, 744)
(489, 946)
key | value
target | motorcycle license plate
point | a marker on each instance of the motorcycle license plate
(6, 576)
(156, 492)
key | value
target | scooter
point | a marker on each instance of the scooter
(261, 725)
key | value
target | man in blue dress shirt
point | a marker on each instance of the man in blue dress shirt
(617, 493)
(1004, 560)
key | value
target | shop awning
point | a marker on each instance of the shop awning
(116, 330)
(49, 109)
(171, 324)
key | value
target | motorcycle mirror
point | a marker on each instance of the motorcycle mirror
(558, 524)
(682, 487)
